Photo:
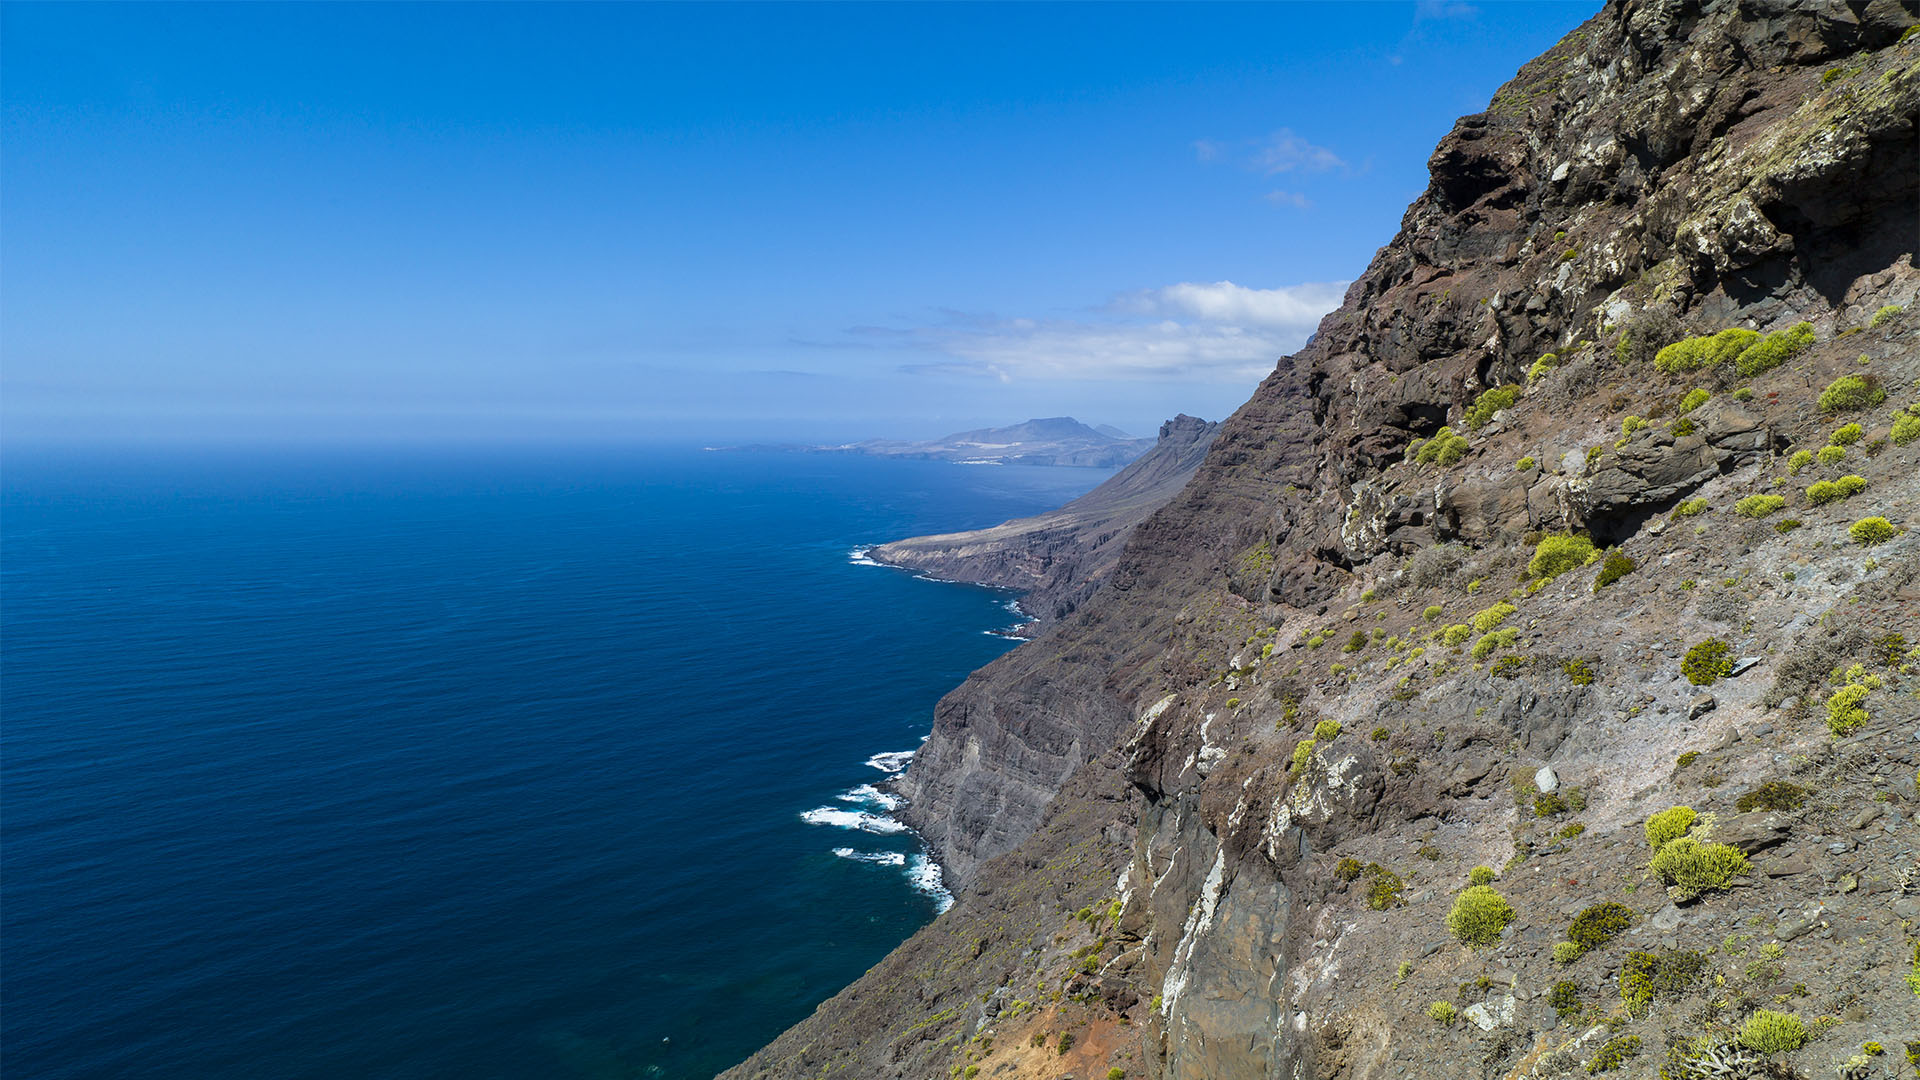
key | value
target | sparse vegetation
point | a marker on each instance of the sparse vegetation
(1707, 662)
(1770, 1032)
(1850, 393)
(1773, 350)
(1826, 491)
(1479, 915)
(1614, 1054)
(1645, 976)
(1598, 924)
(1489, 402)
(1555, 555)
(1873, 530)
(1689, 867)
(1882, 315)
(1692, 354)
(1759, 506)
(1445, 448)
(1773, 795)
(1487, 618)
(1615, 567)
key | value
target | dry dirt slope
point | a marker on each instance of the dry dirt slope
(1162, 875)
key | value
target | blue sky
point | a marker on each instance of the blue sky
(697, 221)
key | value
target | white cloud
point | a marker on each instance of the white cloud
(1218, 332)
(1283, 151)
(1291, 307)
(1288, 198)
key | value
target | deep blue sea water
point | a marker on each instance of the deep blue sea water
(476, 764)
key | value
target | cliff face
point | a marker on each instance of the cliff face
(1060, 557)
(1213, 823)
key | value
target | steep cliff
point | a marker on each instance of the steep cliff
(1057, 559)
(1561, 521)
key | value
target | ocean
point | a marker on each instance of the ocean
(510, 763)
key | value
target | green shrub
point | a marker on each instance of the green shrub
(1302, 754)
(1774, 795)
(1385, 890)
(1066, 1043)
(1572, 829)
(1614, 1054)
(1695, 398)
(1826, 491)
(1546, 363)
(1480, 875)
(1489, 402)
(1831, 455)
(1873, 530)
(1566, 952)
(1442, 1011)
(1524, 464)
(1598, 924)
(1546, 804)
(1326, 730)
(1645, 976)
(1630, 424)
(1116, 1073)
(1565, 995)
(1785, 527)
(1759, 506)
(1906, 428)
(1692, 354)
(1880, 316)
(1669, 825)
(1691, 508)
(1432, 612)
(1846, 435)
(1773, 350)
(1556, 555)
(1348, 869)
(1613, 569)
(1690, 868)
(1457, 634)
(1445, 448)
(1683, 427)
(1479, 915)
(1578, 672)
(1380, 734)
(1745, 393)
(1846, 709)
(1487, 618)
(1800, 460)
(1851, 392)
(1492, 642)
(1769, 1032)
(1707, 662)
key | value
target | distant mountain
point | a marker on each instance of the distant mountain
(1109, 429)
(1056, 440)
(1061, 556)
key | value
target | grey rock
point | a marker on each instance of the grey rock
(1865, 817)
(1839, 847)
(1546, 779)
(1667, 918)
(1741, 665)
(1762, 731)
(1700, 706)
(1754, 831)
(1789, 929)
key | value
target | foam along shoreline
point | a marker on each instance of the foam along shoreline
(923, 873)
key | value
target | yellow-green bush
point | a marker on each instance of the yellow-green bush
(1630, 424)
(1487, 618)
(1775, 349)
(1614, 1054)
(1906, 426)
(1831, 455)
(1432, 612)
(1873, 530)
(1851, 392)
(1445, 448)
(1692, 354)
(1689, 867)
(1826, 491)
(1691, 508)
(1442, 1011)
(1846, 435)
(1669, 825)
(1759, 506)
(1707, 662)
(1800, 460)
(1326, 730)
(1457, 634)
(1302, 754)
(1566, 952)
(1479, 915)
(1884, 314)
(1769, 1032)
(1667, 973)
(1556, 555)
(1498, 639)
(1480, 875)
(1489, 402)
(1546, 363)
(1695, 398)
(1524, 464)
(1598, 924)
(1616, 567)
